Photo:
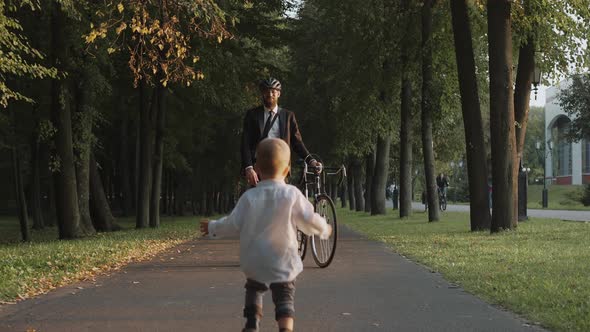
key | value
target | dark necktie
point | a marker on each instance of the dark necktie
(268, 125)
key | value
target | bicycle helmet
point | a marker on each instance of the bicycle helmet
(270, 83)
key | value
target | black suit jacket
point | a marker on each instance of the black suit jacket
(252, 133)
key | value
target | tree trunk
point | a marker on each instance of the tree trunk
(21, 201)
(102, 216)
(350, 185)
(522, 97)
(358, 186)
(522, 93)
(36, 206)
(158, 160)
(380, 176)
(405, 181)
(51, 216)
(503, 137)
(344, 192)
(477, 168)
(125, 167)
(165, 175)
(210, 202)
(405, 185)
(369, 168)
(170, 193)
(181, 195)
(144, 181)
(83, 134)
(203, 204)
(136, 168)
(68, 215)
(427, 110)
(83, 189)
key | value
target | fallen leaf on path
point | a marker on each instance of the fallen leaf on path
(346, 314)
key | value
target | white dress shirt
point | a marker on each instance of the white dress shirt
(267, 218)
(274, 131)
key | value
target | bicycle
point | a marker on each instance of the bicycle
(442, 199)
(322, 250)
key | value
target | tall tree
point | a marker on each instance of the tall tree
(158, 159)
(428, 105)
(477, 169)
(574, 99)
(161, 35)
(501, 114)
(406, 123)
(65, 177)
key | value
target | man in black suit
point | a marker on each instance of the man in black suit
(270, 120)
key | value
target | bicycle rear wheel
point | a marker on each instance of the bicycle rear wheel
(323, 250)
(301, 244)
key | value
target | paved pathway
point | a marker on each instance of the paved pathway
(198, 287)
(536, 213)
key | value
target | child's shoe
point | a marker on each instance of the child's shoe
(252, 324)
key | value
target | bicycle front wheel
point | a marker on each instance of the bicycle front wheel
(323, 250)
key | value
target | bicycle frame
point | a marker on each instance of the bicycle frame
(320, 178)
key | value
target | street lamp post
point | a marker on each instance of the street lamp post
(522, 192)
(543, 155)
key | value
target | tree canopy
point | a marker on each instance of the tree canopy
(574, 99)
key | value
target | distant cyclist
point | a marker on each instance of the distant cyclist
(442, 182)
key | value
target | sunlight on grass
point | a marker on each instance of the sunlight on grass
(541, 270)
(28, 269)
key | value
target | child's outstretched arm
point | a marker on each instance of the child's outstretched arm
(308, 221)
(228, 226)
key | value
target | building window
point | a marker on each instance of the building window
(562, 160)
(586, 155)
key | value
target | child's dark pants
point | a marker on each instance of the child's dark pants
(283, 296)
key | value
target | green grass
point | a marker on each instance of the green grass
(28, 269)
(562, 197)
(541, 270)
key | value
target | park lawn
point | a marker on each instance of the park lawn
(541, 270)
(29, 269)
(561, 197)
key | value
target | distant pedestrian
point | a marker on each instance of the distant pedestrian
(267, 218)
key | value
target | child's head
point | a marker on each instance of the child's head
(272, 158)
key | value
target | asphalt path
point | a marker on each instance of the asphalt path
(569, 215)
(198, 286)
